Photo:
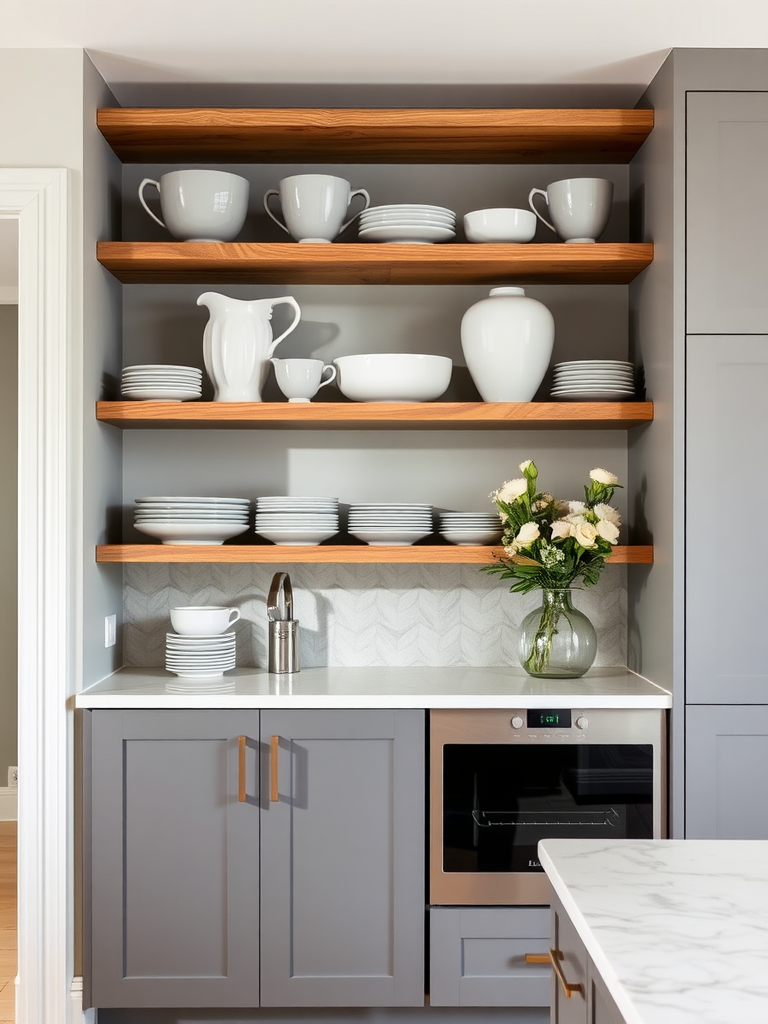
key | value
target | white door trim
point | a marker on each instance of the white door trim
(47, 591)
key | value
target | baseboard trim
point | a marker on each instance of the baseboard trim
(9, 804)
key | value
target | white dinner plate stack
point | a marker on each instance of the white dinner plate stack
(162, 383)
(468, 528)
(390, 523)
(407, 222)
(305, 520)
(593, 380)
(183, 520)
(200, 657)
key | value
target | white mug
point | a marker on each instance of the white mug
(203, 619)
(579, 207)
(301, 379)
(314, 206)
(200, 205)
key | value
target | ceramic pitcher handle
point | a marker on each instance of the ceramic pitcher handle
(290, 301)
(150, 181)
(357, 192)
(541, 192)
(267, 194)
(327, 379)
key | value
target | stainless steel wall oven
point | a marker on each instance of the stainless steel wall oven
(501, 780)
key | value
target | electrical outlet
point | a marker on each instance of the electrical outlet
(110, 630)
(13, 777)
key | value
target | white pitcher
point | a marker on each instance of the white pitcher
(238, 344)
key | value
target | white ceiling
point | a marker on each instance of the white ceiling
(615, 44)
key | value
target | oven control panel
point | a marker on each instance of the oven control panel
(549, 723)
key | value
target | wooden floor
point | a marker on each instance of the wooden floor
(7, 920)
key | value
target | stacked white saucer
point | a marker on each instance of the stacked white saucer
(469, 528)
(162, 383)
(200, 657)
(305, 520)
(407, 222)
(593, 380)
(394, 523)
(192, 520)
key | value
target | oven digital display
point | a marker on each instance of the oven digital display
(542, 718)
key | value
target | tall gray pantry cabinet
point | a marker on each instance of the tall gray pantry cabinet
(246, 858)
(726, 464)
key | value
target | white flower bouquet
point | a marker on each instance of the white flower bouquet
(550, 543)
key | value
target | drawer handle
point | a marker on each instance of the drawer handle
(555, 956)
(241, 741)
(274, 760)
(536, 958)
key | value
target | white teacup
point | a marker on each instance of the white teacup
(579, 207)
(200, 205)
(314, 206)
(301, 379)
(203, 619)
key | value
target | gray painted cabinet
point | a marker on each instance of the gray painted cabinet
(342, 859)
(726, 495)
(174, 876)
(727, 216)
(193, 869)
(727, 759)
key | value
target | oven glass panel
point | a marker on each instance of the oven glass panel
(500, 800)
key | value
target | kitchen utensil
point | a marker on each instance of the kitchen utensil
(393, 377)
(205, 620)
(579, 207)
(301, 379)
(283, 654)
(238, 343)
(314, 206)
(499, 225)
(200, 205)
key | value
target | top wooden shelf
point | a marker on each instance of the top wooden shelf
(458, 136)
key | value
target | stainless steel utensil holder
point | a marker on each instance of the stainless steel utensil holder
(283, 628)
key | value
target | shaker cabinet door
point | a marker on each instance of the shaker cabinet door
(726, 753)
(727, 216)
(174, 880)
(726, 494)
(342, 859)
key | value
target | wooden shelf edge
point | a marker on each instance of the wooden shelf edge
(360, 263)
(327, 554)
(376, 415)
(402, 135)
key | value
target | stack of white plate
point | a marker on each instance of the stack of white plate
(407, 222)
(593, 380)
(306, 520)
(199, 657)
(468, 528)
(182, 520)
(162, 383)
(390, 523)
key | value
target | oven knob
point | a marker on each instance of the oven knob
(582, 722)
(517, 722)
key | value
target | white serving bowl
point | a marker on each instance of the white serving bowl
(500, 225)
(393, 377)
(471, 537)
(191, 533)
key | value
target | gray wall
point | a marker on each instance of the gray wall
(8, 527)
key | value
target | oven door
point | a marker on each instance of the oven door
(503, 780)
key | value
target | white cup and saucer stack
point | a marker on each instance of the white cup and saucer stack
(201, 647)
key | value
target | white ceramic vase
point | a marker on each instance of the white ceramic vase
(507, 341)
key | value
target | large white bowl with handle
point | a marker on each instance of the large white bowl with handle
(393, 377)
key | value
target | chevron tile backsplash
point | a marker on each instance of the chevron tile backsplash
(355, 615)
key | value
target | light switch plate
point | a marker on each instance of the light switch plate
(110, 630)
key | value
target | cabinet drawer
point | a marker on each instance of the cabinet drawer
(477, 956)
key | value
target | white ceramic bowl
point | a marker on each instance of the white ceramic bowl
(500, 225)
(471, 537)
(393, 377)
(191, 533)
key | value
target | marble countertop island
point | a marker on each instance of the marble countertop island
(374, 687)
(678, 929)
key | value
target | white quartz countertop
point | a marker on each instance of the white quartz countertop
(374, 687)
(678, 929)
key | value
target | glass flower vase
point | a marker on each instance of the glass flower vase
(557, 641)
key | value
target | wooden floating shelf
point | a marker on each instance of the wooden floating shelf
(356, 263)
(432, 554)
(471, 136)
(376, 415)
